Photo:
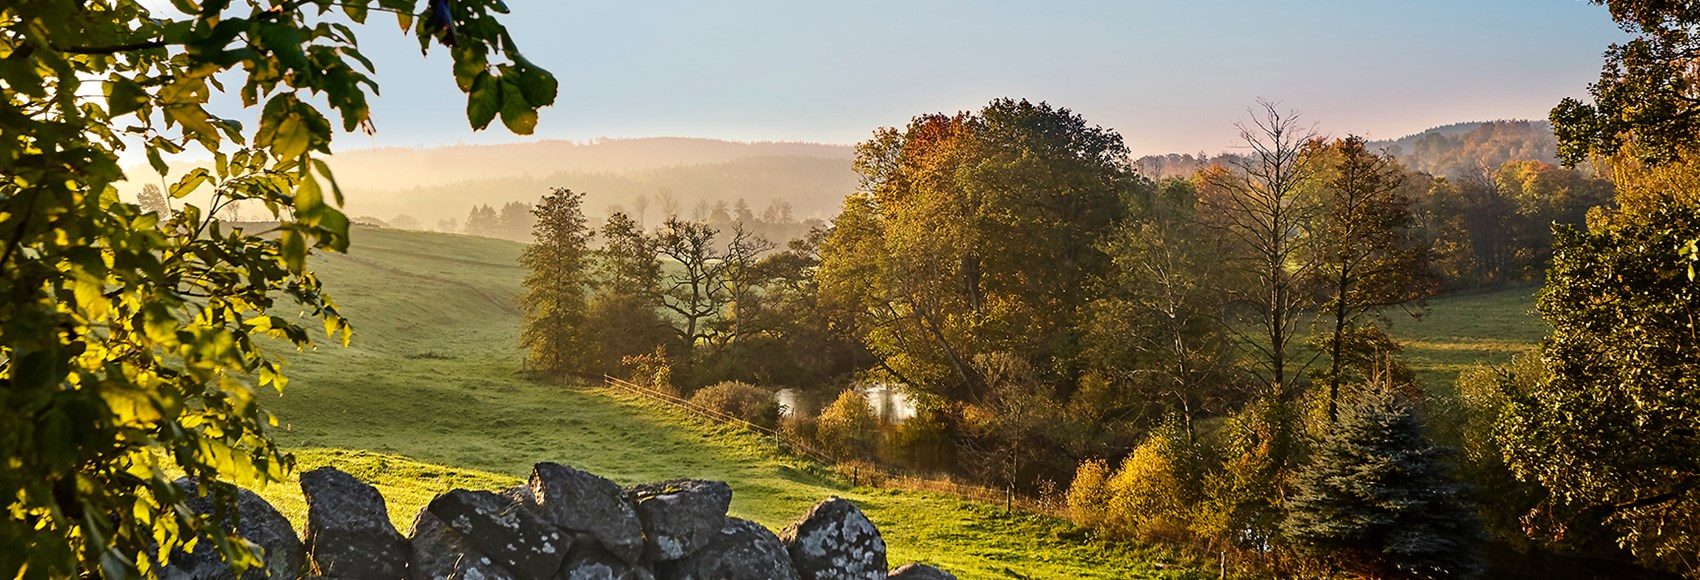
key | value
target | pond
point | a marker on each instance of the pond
(891, 404)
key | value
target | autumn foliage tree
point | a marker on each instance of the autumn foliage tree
(1365, 255)
(979, 234)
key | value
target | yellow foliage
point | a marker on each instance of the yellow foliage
(1088, 496)
(1145, 488)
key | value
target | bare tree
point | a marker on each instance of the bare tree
(669, 204)
(694, 290)
(640, 206)
(740, 279)
(1260, 203)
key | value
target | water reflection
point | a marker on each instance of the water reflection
(891, 404)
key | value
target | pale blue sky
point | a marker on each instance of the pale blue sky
(1170, 76)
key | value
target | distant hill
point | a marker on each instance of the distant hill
(431, 184)
(1455, 151)
(1466, 149)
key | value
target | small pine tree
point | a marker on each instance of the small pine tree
(1379, 498)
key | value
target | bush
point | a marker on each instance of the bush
(1088, 495)
(847, 428)
(919, 443)
(653, 370)
(1146, 490)
(742, 400)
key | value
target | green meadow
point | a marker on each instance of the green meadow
(1457, 332)
(430, 396)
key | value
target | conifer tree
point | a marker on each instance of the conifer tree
(557, 284)
(1378, 498)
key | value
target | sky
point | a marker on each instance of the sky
(1169, 76)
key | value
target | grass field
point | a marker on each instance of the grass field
(429, 397)
(1457, 332)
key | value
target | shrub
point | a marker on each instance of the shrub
(1245, 494)
(653, 370)
(1088, 495)
(847, 428)
(742, 400)
(1146, 490)
(919, 443)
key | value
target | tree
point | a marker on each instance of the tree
(557, 283)
(1611, 426)
(152, 200)
(988, 228)
(695, 293)
(741, 280)
(778, 212)
(1157, 337)
(482, 220)
(641, 206)
(1262, 204)
(130, 341)
(1379, 498)
(1645, 94)
(515, 221)
(848, 427)
(405, 222)
(1365, 255)
(741, 212)
(623, 308)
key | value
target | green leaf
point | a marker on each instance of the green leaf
(470, 62)
(125, 96)
(189, 183)
(293, 249)
(519, 115)
(335, 223)
(483, 101)
(309, 201)
(356, 11)
(538, 86)
(292, 138)
(156, 161)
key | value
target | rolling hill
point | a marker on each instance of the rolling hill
(430, 396)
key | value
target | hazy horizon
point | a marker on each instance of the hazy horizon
(1171, 78)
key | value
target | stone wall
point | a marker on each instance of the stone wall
(565, 524)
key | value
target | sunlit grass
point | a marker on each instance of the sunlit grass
(430, 396)
(1458, 332)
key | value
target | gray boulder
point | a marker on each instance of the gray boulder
(349, 534)
(509, 533)
(258, 522)
(741, 550)
(441, 554)
(919, 571)
(588, 560)
(836, 542)
(582, 502)
(680, 516)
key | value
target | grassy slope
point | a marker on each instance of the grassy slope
(430, 381)
(1457, 332)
